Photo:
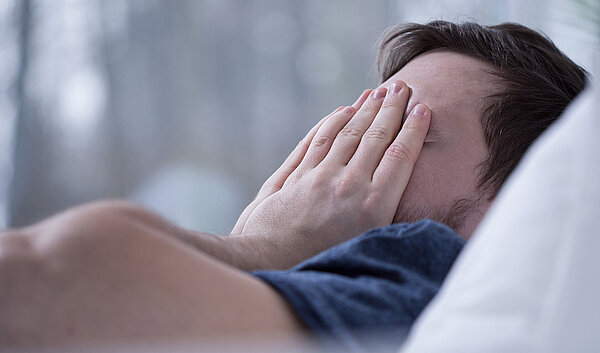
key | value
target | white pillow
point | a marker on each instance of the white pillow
(529, 281)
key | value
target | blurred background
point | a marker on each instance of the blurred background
(188, 106)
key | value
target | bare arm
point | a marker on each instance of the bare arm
(345, 177)
(114, 272)
(350, 178)
(101, 274)
(259, 250)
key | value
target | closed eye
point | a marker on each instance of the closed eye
(433, 135)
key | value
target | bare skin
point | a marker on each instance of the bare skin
(455, 87)
(114, 272)
(443, 185)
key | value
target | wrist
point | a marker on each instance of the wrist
(257, 251)
(251, 252)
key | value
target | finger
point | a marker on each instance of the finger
(382, 131)
(293, 161)
(325, 136)
(275, 182)
(396, 166)
(349, 137)
(278, 178)
(363, 97)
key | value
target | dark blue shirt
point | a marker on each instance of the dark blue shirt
(378, 282)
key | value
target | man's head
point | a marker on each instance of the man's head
(492, 91)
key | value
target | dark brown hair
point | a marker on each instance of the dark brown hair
(538, 81)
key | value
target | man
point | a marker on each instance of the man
(458, 107)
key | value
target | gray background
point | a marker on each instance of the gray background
(187, 106)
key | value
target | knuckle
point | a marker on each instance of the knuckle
(344, 187)
(410, 127)
(369, 211)
(391, 101)
(377, 133)
(346, 184)
(371, 106)
(322, 141)
(350, 132)
(372, 204)
(400, 152)
(317, 180)
(343, 115)
(367, 214)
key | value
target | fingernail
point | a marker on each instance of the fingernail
(419, 109)
(396, 87)
(379, 93)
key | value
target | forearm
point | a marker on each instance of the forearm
(332, 187)
(243, 252)
(246, 252)
(79, 270)
(345, 177)
(224, 248)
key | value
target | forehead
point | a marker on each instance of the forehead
(453, 85)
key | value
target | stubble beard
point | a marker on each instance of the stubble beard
(454, 216)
